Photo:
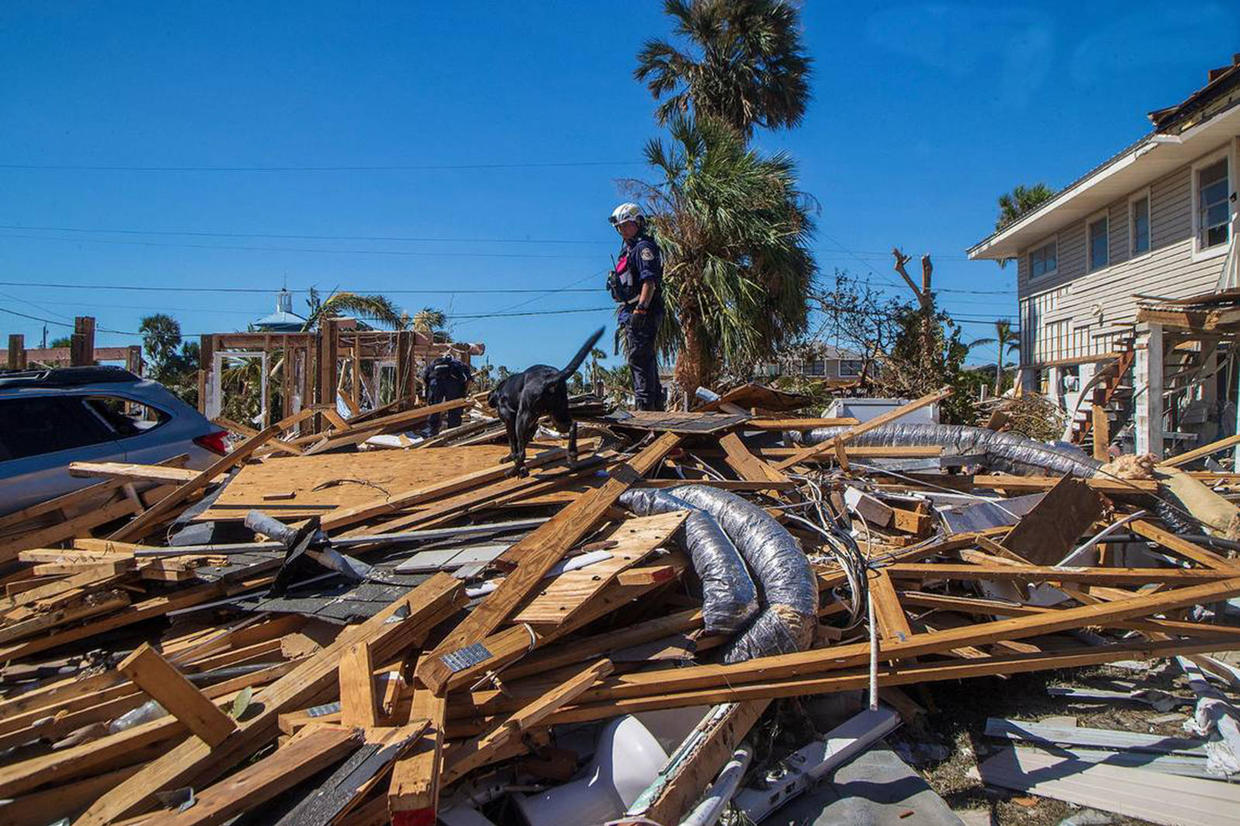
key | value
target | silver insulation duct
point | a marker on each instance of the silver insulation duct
(729, 597)
(1008, 452)
(789, 590)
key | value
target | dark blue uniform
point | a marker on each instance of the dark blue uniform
(446, 379)
(640, 261)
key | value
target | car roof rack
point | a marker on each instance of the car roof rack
(66, 377)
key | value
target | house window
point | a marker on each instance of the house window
(1099, 244)
(1043, 260)
(850, 368)
(817, 367)
(1212, 207)
(1139, 223)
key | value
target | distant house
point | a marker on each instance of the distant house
(283, 320)
(1154, 223)
(818, 360)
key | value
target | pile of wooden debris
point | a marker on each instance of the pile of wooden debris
(301, 635)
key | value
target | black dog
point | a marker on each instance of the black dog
(524, 398)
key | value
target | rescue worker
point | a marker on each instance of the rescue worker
(445, 379)
(636, 285)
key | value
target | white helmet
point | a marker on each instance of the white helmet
(625, 213)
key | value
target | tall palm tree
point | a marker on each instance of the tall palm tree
(1008, 341)
(735, 235)
(1020, 200)
(374, 309)
(596, 356)
(743, 62)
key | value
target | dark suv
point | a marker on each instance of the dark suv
(49, 418)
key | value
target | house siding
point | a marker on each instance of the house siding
(1073, 313)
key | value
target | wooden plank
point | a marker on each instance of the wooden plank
(482, 750)
(892, 623)
(1182, 547)
(314, 749)
(163, 683)
(193, 762)
(1046, 534)
(133, 473)
(359, 701)
(1039, 573)
(1147, 795)
(890, 416)
(747, 466)
(145, 522)
(1101, 432)
(797, 423)
(567, 593)
(413, 795)
(857, 654)
(275, 444)
(1032, 484)
(1204, 450)
(538, 552)
(677, 788)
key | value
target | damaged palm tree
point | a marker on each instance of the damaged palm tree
(735, 233)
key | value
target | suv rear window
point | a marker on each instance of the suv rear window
(125, 417)
(34, 425)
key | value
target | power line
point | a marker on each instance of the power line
(70, 326)
(265, 291)
(302, 237)
(237, 247)
(340, 168)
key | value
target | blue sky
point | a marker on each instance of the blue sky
(495, 133)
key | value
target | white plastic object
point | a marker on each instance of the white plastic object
(625, 762)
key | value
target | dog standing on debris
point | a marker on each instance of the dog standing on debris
(524, 398)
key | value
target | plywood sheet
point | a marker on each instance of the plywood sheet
(351, 479)
(673, 422)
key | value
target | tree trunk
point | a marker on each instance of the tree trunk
(694, 365)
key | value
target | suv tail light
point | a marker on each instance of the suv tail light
(216, 442)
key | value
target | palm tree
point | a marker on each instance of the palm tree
(430, 322)
(743, 62)
(596, 355)
(734, 231)
(1008, 342)
(1020, 200)
(374, 309)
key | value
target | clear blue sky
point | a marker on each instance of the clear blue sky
(522, 117)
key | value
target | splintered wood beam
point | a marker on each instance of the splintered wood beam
(195, 763)
(829, 445)
(359, 701)
(857, 654)
(747, 466)
(305, 755)
(169, 687)
(146, 521)
(483, 750)
(413, 795)
(537, 553)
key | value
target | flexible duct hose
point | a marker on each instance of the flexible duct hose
(729, 597)
(789, 590)
(1009, 452)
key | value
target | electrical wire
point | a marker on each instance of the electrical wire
(301, 237)
(333, 168)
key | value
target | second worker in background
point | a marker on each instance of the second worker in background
(444, 380)
(636, 284)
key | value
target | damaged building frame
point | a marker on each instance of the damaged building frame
(1127, 282)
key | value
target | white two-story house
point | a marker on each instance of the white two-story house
(1152, 224)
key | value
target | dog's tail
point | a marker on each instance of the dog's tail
(581, 355)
